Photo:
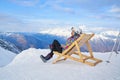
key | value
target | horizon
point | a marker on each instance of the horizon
(36, 15)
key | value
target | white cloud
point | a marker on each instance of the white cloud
(63, 9)
(5, 18)
(115, 9)
(57, 5)
(107, 16)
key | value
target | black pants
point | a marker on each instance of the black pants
(55, 47)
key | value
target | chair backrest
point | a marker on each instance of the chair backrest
(81, 40)
(84, 38)
(69, 48)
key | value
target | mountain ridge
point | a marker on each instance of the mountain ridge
(101, 42)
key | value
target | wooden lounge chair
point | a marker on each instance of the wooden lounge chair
(74, 48)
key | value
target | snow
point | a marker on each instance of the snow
(6, 33)
(110, 33)
(54, 31)
(99, 36)
(65, 32)
(28, 66)
(5, 57)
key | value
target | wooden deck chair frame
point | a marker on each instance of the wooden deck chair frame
(74, 48)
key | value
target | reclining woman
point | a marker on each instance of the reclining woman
(56, 46)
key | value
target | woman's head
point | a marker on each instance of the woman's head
(72, 28)
(72, 31)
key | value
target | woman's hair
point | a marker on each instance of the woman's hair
(72, 28)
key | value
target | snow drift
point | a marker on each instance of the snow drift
(5, 57)
(28, 66)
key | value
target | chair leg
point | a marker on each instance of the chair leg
(57, 59)
(64, 58)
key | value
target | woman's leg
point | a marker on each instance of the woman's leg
(55, 47)
(49, 55)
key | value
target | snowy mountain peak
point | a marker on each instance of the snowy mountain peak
(9, 46)
(66, 32)
(57, 31)
(99, 36)
(110, 33)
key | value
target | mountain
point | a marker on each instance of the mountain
(57, 31)
(61, 31)
(6, 57)
(28, 66)
(9, 46)
(24, 40)
(101, 42)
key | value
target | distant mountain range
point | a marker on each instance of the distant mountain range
(19, 41)
(103, 41)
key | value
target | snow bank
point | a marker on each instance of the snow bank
(28, 66)
(5, 57)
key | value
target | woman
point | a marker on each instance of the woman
(56, 46)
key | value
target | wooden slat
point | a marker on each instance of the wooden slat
(89, 48)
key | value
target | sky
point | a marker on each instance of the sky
(34, 15)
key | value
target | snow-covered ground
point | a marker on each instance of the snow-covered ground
(28, 66)
(6, 57)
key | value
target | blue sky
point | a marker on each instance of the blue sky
(32, 15)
